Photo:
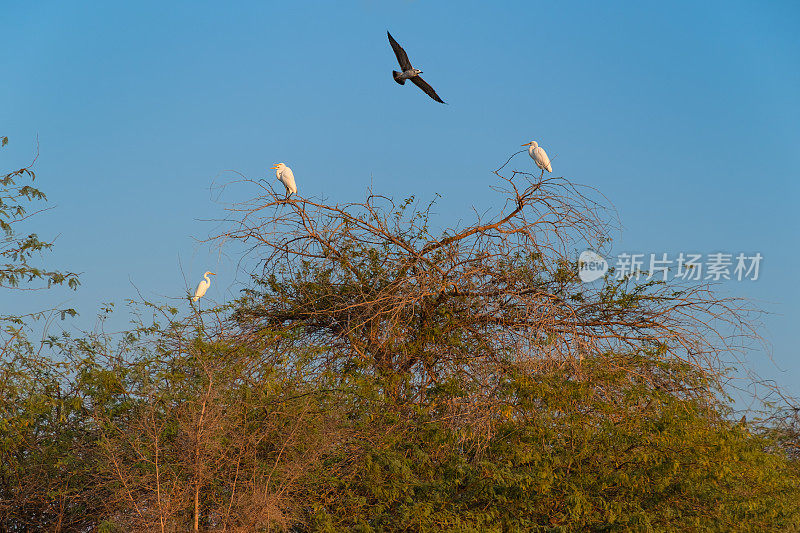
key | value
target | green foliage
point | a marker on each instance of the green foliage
(117, 436)
(601, 451)
(45, 443)
(16, 251)
(394, 382)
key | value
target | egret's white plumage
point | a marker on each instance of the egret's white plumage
(203, 286)
(539, 156)
(285, 176)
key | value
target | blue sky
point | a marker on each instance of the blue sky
(686, 115)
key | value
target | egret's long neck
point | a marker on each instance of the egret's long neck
(207, 280)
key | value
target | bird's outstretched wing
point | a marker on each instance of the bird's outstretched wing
(422, 84)
(402, 57)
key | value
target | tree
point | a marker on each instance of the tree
(487, 388)
(18, 250)
(39, 436)
(371, 282)
(197, 430)
(377, 375)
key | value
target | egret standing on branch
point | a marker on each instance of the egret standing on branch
(409, 72)
(203, 286)
(539, 156)
(285, 176)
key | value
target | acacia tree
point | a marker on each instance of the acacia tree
(476, 367)
(36, 445)
(194, 429)
(372, 282)
(17, 251)
(379, 375)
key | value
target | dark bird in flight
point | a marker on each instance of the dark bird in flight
(409, 72)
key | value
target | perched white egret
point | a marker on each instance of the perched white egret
(539, 156)
(203, 286)
(285, 176)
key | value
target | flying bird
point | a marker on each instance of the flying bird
(202, 287)
(409, 72)
(285, 176)
(539, 156)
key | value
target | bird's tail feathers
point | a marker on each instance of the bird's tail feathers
(395, 75)
(195, 298)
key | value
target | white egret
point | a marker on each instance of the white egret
(539, 156)
(285, 176)
(203, 286)
(409, 72)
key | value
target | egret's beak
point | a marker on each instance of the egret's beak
(528, 144)
(211, 274)
(273, 167)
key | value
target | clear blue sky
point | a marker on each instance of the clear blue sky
(685, 114)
